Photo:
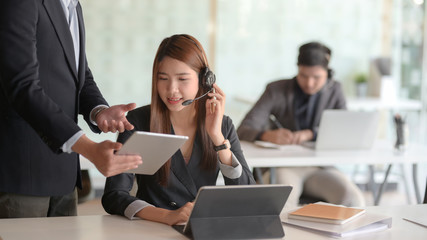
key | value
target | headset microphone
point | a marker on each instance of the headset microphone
(206, 80)
(190, 101)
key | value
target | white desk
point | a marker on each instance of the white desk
(106, 227)
(295, 155)
(372, 104)
(363, 104)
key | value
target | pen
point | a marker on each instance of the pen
(275, 121)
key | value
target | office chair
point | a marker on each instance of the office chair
(87, 192)
(305, 199)
(271, 175)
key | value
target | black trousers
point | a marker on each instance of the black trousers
(25, 206)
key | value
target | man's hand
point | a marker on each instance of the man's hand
(285, 136)
(113, 119)
(280, 136)
(103, 157)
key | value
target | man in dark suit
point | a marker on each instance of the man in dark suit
(44, 84)
(289, 112)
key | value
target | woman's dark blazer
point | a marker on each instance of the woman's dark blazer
(184, 180)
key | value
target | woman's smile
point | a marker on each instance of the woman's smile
(174, 100)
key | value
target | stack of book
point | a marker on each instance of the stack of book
(337, 221)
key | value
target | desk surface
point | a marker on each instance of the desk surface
(107, 227)
(296, 155)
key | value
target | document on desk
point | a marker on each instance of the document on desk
(269, 145)
(367, 223)
(421, 219)
(264, 144)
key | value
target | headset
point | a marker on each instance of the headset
(206, 77)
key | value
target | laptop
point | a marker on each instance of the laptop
(346, 130)
(237, 212)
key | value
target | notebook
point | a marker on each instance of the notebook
(363, 224)
(345, 130)
(154, 148)
(237, 212)
(324, 213)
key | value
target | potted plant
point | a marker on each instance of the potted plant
(361, 81)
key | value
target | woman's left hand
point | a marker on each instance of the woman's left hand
(302, 136)
(214, 113)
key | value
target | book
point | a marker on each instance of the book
(365, 224)
(326, 213)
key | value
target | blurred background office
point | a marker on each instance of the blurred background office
(379, 51)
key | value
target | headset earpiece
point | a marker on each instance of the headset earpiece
(206, 78)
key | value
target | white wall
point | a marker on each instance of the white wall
(255, 41)
(258, 41)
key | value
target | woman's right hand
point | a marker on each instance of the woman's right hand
(170, 217)
(180, 215)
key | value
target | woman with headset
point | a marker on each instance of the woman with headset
(288, 112)
(181, 80)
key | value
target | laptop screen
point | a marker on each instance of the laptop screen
(347, 130)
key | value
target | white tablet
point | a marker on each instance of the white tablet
(154, 148)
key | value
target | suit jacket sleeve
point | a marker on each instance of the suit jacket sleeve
(256, 121)
(90, 97)
(341, 102)
(231, 135)
(116, 196)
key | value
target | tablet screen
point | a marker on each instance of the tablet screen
(154, 148)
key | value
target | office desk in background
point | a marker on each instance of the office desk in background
(299, 156)
(361, 104)
(296, 155)
(372, 104)
(106, 227)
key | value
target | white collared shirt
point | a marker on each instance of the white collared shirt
(74, 31)
(68, 144)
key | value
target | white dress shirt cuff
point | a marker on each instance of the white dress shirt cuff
(95, 112)
(66, 147)
(234, 171)
(135, 207)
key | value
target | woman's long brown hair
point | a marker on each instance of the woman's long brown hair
(187, 49)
